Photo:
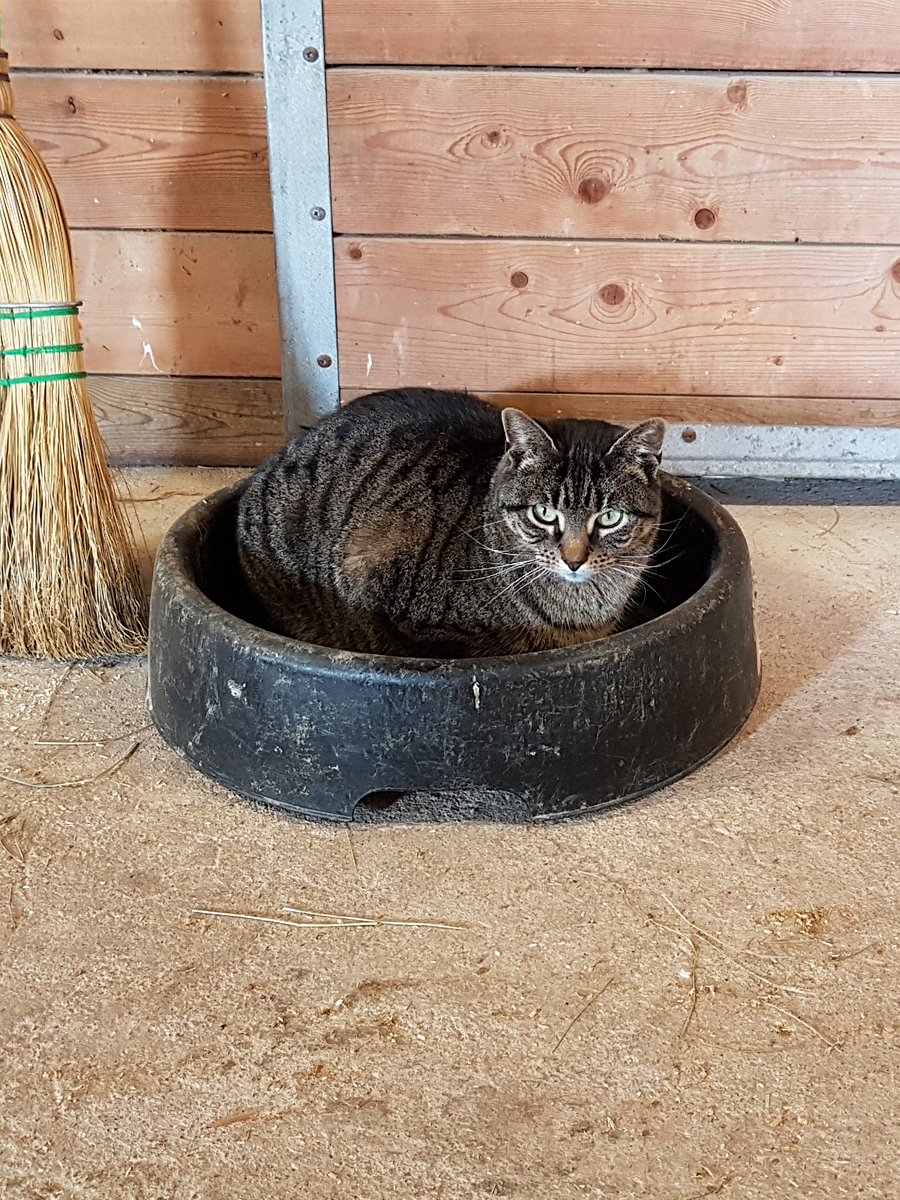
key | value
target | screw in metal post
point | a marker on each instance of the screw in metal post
(317, 214)
(324, 360)
(311, 54)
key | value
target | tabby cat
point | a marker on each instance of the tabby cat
(428, 523)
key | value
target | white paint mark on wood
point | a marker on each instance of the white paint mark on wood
(148, 349)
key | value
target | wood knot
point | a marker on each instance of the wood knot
(778, 360)
(493, 137)
(71, 105)
(737, 94)
(612, 294)
(518, 279)
(895, 271)
(58, 34)
(592, 191)
(355, 252)
(704, 218)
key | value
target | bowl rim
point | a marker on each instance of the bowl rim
(730, 555)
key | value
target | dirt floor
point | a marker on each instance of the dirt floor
(696, 995)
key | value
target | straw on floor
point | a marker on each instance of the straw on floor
(69, 579)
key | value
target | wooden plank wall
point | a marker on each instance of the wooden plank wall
(654, 208)
(715, 238)
(150, 115)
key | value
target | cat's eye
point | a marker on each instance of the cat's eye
(543, 514)
(610, 518)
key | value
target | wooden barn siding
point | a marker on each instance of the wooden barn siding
(134, 35)
(730, 35)
(164, 177)
(223, 35)
(619, 317)
(767, 158)
(152, 151)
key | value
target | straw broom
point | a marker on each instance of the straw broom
(70, 584)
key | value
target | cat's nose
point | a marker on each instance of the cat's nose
(574, 556)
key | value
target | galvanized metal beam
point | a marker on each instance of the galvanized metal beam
(296, 114)
(783, 451)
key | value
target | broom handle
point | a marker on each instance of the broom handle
(6, 110)
(6, 92)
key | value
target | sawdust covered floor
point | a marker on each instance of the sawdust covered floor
(693, 996)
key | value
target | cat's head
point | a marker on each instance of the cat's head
(582, 502)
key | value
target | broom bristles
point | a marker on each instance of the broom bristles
(70, 583)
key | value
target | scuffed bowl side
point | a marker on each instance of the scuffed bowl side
(313, 730)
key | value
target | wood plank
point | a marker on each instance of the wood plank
(699, 410)
(223, 35)
(563, 154)
(205, 303)
(170, 152)
(208, 422)
(166, 420)
(632, 317)
(733, 35)
(134, 35)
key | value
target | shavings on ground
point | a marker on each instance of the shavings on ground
(832, 1045)
(695, 957)
(57, 688)
(730, 955)
(214, 912)
(104, 774)
(11, 838)
(234, 1118)
(580, 1014)
(713, 1189)
(353, 853)
(303, 912)
(162, 496)
(332, 921)
(101, 741)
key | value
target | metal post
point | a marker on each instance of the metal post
(296, 114)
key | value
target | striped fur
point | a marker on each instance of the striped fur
(405, 524)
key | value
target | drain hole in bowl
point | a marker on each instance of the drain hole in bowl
(463, 805)
(379, 801)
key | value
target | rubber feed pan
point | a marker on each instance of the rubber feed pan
(313, 730)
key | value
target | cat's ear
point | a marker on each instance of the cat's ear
(641, 446)
(524, 437)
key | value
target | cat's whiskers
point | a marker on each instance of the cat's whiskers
(670, 528)
(638, 576)
(521, 582)
(486, 525)
(631, 577)
(628, 562)
(629, 581)
(648, 587)
(493, 570)
(484, 545)
(653, 565)
(492, 549)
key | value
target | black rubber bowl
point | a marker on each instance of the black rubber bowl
(314, 730)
